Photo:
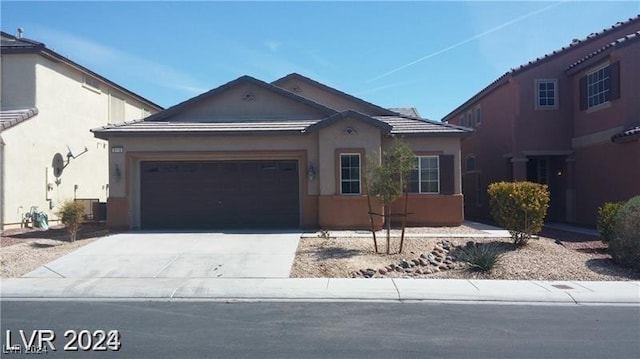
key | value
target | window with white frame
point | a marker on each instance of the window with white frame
(547, 94)
(349, 173)
(598, 86)
(425, 178)
(478, 115)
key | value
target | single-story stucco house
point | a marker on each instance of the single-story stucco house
(288, 154)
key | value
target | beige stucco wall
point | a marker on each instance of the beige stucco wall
(67, 111)
(332, 138)
(324, 97)
(246, 101)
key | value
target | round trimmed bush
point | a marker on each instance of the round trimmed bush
(624, 244)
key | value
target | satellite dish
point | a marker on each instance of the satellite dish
(57, 164)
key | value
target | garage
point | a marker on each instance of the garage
(219, 194)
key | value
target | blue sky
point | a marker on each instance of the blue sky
(425, 54)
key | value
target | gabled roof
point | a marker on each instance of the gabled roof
(10, 44)
(503, 79)
(349, 114)
(296, 76)
(157, 124)
(241, 80)
(621, 42)
(9, 118)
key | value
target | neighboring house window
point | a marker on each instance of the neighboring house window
(546, 94)
(116, 109)
(471, 163)
(350, 173)
(600, 86)
(425, 178)
(91, 82)
(461, 122)
(478, 115)
(469, 119)
(145, 113)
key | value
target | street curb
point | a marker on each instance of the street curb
(323, 289)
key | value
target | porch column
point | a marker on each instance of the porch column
(519, 168)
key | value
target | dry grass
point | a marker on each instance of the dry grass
(542, 259)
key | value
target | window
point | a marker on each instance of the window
(600, 86)
(471, 163)
(461, 123)
(91, 82)
(478, 115)
(546, 94)
(469, 119)
(425, 178)
(350, 173)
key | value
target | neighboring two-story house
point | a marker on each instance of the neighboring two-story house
(48, 105)
(569, 119)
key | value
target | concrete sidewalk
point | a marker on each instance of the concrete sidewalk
(330, 289)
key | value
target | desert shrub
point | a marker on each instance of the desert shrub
(606, 217)
(481, 257)
(71, 213)
(519, 207)
(624, 244)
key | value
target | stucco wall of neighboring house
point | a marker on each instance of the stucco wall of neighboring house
(66, 111)
(124, 200)
(246, 101)
(491, 144)
(605, 171)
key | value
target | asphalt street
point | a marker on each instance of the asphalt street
(193, 329)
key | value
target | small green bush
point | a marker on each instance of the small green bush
(624, 245)
(519, 207)
(71, 214)
(606, 218)
(481, 257)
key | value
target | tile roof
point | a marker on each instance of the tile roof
(623, 41)
(540, 60)
(296, 76)
(10, 118)
(393, 124)
(414, 126)
(406, 111)
(10, 44)
(627, 135)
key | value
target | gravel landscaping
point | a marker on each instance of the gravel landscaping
(555, 255)
(23, 250)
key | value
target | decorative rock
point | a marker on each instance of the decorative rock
(434, 262)
(442, 267)
(382, 271)
(418, 271)
(436, 269)
(448, 261)
(415, 261)
(423, 262)
(423, 256)
(399, 269)
(427, 270)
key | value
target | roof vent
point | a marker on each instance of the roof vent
(20, 31)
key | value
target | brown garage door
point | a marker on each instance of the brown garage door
(219, 194)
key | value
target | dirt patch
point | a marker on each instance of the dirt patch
(25, 249)
(543, 259)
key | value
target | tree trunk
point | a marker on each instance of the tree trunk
(404, 219)
(387, 218)
(373, 227)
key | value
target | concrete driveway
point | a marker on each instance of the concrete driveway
(178, 255)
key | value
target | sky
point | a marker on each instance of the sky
(431, 55)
